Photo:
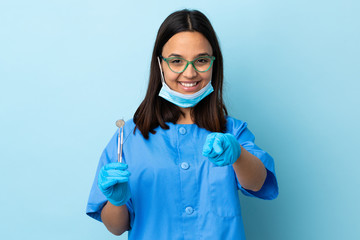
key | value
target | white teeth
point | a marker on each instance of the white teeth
(188, 84)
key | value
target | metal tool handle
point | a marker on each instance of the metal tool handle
(121, 142)
(120, 124)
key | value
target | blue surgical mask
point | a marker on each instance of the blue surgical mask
(180, 99)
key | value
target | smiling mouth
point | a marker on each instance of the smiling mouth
(192, 84)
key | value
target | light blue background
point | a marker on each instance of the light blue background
(69, 69)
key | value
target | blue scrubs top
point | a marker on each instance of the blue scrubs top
(176, 192)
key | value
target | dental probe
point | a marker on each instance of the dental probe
(120, 124)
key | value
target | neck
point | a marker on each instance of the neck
(187, 118)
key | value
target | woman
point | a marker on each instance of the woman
(185, 159)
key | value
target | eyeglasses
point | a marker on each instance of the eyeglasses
(179, 65)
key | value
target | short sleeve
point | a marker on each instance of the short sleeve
(97, 199)
(247, 140)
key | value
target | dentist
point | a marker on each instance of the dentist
(184, 157)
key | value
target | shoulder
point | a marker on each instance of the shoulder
(234, 125)
(239, 129)
(129, 128)
(129, 124)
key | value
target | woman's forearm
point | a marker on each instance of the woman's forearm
(250, 171)
(115, 218)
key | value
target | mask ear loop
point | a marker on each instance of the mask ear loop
(161, 72)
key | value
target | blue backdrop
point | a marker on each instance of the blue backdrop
(69, 69)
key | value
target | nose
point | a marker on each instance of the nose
(190, 72)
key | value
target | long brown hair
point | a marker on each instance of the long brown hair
(155, 111)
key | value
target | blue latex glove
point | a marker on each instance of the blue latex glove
(113, 183)
(221, 148)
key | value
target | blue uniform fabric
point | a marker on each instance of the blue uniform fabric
(176, 192)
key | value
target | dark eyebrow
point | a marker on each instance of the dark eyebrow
(203, 54)
(199, 55)
(174, 55)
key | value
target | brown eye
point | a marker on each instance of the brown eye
(176, 61)
(202, 61)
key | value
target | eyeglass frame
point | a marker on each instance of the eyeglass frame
(212, 58)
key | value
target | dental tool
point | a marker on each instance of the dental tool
(120, 124)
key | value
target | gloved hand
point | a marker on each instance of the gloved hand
(221, 148)
(113, 182)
